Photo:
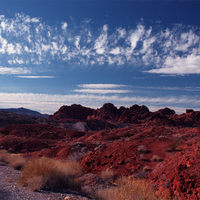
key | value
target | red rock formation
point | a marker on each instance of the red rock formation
(72, 112)
(134, 114)
(188, 119)
(109, 116)
(107, 112)
(166, 111)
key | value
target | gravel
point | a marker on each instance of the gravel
(11, 190)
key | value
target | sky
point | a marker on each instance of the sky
(91, 52)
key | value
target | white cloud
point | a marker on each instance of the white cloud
(178, 65)
(147, 44)
(11, 49)
(135, 36)
(98, 91)
(101, 41)
(105, 28)
(101, 86)
(36, 77)
(14, 70)
(64, 26)
(115, 51)
(121, 32)
(187, 40)
(77, 40)
(26, 40)
(171, 88)
(3, 43)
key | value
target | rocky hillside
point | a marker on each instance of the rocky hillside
(162, 147)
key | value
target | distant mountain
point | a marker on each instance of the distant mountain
(24, 111)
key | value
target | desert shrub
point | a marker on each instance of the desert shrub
(156, 158)
(50, 174)
(108, 175)
(14, 160)
(165, 195)
(174, 144)
(141, 157)
(3, 155)
(146, 168)
(142, 148)
(128, 189)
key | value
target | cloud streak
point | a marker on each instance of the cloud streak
(32, 77)
(102, 88)
(98, 91)
(14, 70)
(30, 40)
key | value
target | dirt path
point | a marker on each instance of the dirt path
(11, 190)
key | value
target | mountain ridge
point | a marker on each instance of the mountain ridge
(24, 111)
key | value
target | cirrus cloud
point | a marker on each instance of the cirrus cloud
(178, 65)
(26, 40)
(14, 70)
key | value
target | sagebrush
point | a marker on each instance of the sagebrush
(128, 189)
(50, 174)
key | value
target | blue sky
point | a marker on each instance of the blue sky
(55, 53)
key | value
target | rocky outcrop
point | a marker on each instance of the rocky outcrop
(122, 115)
(74, 111)
(134, 114)
(107, 112)
(109, 116)
(166, 111)
(191, 119)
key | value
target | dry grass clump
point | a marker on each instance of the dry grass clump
(156, 158)
(128, 189)
(108, 175)
(173, 145)
(50, 174)
(146, 168)
(3, 155)
(141, 157)
(14, 160)
(142, 148)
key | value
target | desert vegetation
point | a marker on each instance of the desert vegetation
(128, 189)
(14, 160)
(142, 148)
(50, 174)
(156, 158)
(108, 175)
(53, 174)
(173, 145)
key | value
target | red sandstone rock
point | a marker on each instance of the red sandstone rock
(107, 112)
(72, 112)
